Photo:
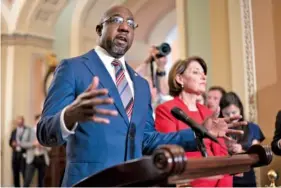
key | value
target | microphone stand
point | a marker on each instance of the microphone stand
(200, 144)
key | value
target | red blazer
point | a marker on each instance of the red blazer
(166, 122)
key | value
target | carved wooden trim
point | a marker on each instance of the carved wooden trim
(26, 39)
(249, 59)
(250, 72)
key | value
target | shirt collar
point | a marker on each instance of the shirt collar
(106, 57)
(20, 128)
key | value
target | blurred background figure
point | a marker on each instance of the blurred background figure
(214, 95)
(276, 142)
(156, 77)
(201, 99)
(37, 157)
(18, 161)
(231, 105)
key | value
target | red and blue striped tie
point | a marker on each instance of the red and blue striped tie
(123, 88)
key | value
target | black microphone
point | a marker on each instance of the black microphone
(198, 129)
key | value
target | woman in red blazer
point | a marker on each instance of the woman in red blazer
(187, 80)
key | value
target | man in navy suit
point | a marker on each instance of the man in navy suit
(102, 108)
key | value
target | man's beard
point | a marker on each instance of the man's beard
(117, 50)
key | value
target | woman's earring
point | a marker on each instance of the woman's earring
(182, 86)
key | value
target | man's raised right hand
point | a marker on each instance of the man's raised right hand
(84, 108)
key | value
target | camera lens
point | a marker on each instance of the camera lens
(164, 50)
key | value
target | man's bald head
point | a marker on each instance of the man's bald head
(116, 30)
(115, 9)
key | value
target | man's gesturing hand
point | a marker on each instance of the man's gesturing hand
(219, 127)
(84, 108)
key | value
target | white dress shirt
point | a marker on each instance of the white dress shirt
(19, 133)
(107, 60)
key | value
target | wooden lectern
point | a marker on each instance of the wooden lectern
(169, 166)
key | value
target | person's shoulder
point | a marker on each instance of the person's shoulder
(256, 131)
(167, 105)
(279, 114)
(74, 59)
(201, 106)
(77, 59)
(137, 75)
(204, 109)
(253, 125)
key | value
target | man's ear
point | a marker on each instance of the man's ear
(99, 29)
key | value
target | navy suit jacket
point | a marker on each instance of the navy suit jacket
(95, 146)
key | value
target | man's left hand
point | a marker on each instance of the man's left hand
(220, 127)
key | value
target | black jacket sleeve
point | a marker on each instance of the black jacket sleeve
(277, 135)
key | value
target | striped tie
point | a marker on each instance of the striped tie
(123, 88)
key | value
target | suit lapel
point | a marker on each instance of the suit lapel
(97, 68)
(22, 134)
(26, 136)
(138, 104)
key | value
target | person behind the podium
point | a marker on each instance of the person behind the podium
(187, 80)
(276, 142)
(231, 105)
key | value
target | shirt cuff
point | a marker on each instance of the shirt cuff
(279, 144)
(64, 130)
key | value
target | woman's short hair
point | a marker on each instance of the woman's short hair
(178, 68)
(231, 98)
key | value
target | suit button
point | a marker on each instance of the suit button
(132, 131)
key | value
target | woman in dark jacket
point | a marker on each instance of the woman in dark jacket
(231, 105)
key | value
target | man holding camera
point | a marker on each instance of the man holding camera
(157, 79)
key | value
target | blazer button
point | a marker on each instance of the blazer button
(132, 131)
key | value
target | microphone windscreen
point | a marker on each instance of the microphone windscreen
(177, 113)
